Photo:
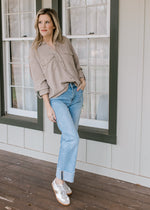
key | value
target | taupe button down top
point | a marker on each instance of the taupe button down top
(53, 69)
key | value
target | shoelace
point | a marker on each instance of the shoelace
(62, 190)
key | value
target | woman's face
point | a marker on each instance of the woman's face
(45, 25)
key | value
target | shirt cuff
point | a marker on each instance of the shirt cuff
(81, 74)
(42, 92)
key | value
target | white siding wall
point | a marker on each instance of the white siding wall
(129, 159)
(145, 123)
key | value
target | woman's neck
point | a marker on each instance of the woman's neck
(48, 40)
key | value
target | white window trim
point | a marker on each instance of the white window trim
(94, 123)
(22, 113)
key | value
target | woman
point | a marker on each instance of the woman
(59, 80)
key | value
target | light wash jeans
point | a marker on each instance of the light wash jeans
(67, 109)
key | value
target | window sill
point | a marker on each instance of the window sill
(25, 122)
(95, 134)
(19, 121)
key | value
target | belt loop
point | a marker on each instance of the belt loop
(70, 84)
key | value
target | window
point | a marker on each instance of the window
(17, 35)
(86, 23)
(92, 27)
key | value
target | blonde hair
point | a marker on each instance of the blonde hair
(57, 34)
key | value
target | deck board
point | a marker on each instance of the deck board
(25, 183)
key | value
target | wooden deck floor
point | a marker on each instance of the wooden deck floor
(25, 184)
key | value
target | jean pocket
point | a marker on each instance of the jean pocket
(80, 90)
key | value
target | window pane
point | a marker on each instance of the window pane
(16, 95)
(95, 66)
(92, 93)
(11, 6)
(27, 23)
(68, 22)
(92, 20)
(26, 5)
(19, 51)
(19, 18)
(77, 23)
(26, 50)
(102, 107)
(20, 76)
(102, 79)
(71, 3)
(84, 112)
(5, 6)
(92, 2)
(15, 51)
(6, 28)
(97, 20)
(80, 46)
(99, 51)
(97, 97)
(27, 78)
(102, 19)
(30, 100)
(12, 26)
(102, 92)
(98, 77)
(16, 74)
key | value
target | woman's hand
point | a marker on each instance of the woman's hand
(50, 111)
(82, 84)
(51, 114)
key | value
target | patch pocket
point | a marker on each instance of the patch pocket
(68, 57)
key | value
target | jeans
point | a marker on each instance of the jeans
(67, 109)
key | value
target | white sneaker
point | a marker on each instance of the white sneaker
(67, 188)
(60, 194)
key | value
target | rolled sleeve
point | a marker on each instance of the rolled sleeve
(43, 92)
(39, 80)
(81, 74)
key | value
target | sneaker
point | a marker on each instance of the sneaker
(60, 193)
(67, 189)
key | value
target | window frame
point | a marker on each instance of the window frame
(10, 119)
(103, 135)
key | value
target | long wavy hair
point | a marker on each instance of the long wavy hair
(57, 34)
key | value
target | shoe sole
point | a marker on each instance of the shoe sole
(58, 200)
(69, 193)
